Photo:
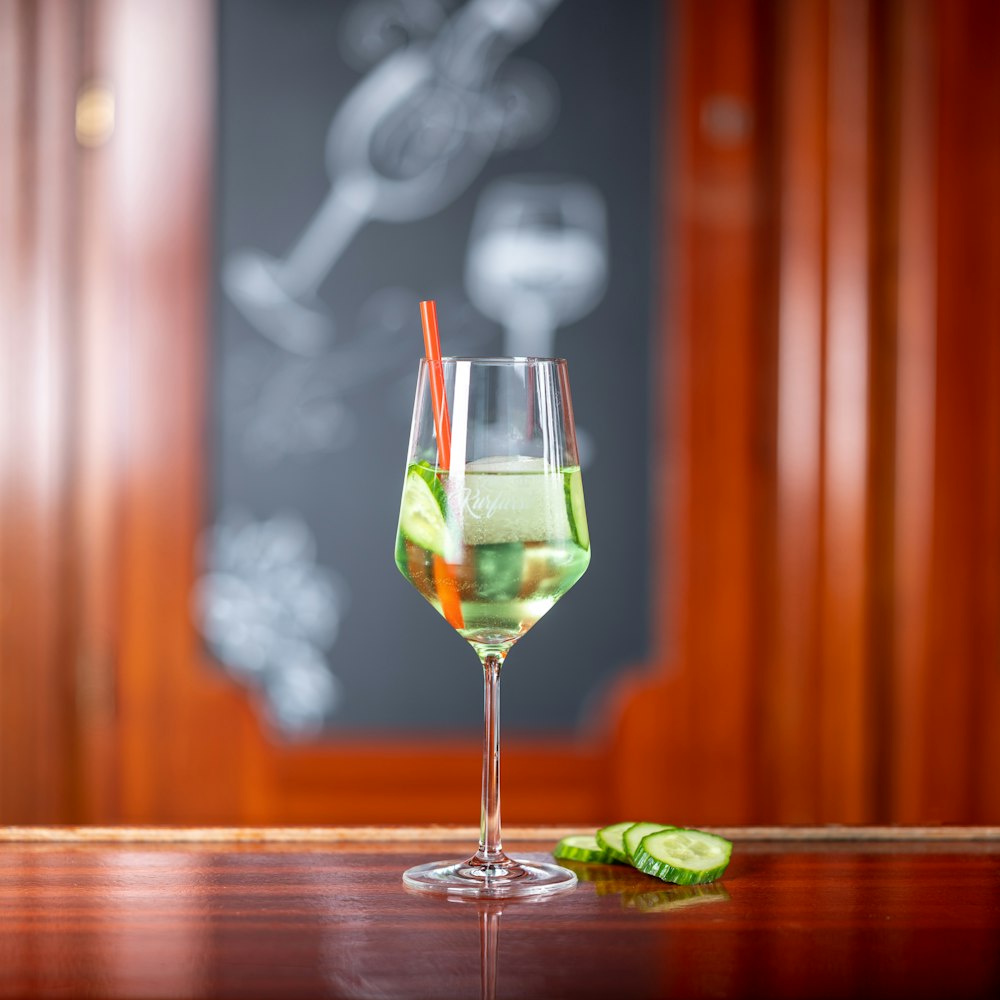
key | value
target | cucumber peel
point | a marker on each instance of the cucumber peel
(673, 854)
(576, 510)
(634, 834)
(611, 839)
(582, 847)
(684, 857)
(423, 510)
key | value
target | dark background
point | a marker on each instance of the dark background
(398, 664)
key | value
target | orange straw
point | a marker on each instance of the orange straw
(444, 578)
(432, 348)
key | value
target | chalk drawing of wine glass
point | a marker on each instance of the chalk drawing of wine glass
(372, 29)
(537, 258)
(410, 137)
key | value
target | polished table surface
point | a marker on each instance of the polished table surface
(301, 913)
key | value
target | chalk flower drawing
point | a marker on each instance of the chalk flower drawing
(267, 611)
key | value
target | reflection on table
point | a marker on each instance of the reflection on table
(263, 914)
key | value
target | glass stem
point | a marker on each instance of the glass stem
(490, 846)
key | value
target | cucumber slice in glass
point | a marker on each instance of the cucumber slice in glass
(611, 838)
(581, 847)
(575, 509)
(422, 510)
(685, 857)
(634, 834)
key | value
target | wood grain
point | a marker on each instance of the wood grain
(790, 702)
(962, 677)
(379, 835)
(860, 454)
(38, 60)
(697, 701)
(789, 919)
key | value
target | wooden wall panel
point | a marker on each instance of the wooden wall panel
(819, 689)
(100, 420)
(791, 696)
(179, 749)
(872, 579)
(38, 56)
(915, 452)
(950, 774)
(692, 710)
(846, 723)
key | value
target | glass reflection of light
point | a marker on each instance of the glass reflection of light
(354, 953)
(151, 928)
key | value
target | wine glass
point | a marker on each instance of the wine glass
(492, 532)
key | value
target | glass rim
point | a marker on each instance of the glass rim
(527, 360)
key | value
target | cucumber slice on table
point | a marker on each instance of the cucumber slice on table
(685, 857)
(422, 511)
(611, 838)
(634, 834)
(581, 847)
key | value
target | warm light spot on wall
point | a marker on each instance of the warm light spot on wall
(95, 114)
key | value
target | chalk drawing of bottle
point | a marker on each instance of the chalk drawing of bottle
(537, 258)
(409, 138)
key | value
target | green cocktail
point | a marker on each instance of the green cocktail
(512, 536)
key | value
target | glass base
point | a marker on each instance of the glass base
(504, 879)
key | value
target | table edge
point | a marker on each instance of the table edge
(418, 834)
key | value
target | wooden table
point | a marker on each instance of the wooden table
(284, 913)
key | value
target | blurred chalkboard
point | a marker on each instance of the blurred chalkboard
(500, 158)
